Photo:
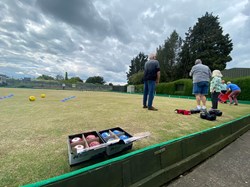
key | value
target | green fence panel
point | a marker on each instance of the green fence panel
(144, 164)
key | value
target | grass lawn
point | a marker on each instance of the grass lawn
(34, 134)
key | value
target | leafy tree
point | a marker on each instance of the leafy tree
(206, 42)
(59, 77)
(74, 80)
(66, 76)
(45, 77)
(168, 56)
(137, 64)
(186, 63)
(95, 80)
(136, 78)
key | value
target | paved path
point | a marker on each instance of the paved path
(230, 167)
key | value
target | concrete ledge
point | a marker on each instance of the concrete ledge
(157, 164)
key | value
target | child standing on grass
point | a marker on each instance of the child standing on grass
(215, 88)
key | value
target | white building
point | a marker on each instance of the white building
(3, 79)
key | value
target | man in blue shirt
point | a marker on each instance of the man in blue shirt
(151, 78)
(235, 91)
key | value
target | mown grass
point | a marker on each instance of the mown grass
(34, 134)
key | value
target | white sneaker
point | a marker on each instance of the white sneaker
(203, 109)
(196, 109)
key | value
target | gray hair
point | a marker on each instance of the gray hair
(198, 61)
(152, 56)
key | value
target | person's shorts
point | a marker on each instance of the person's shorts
(201, 88)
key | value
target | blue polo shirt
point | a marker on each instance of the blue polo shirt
(233, 87)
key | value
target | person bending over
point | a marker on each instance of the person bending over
(235, 91)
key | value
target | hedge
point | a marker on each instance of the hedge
(244, 84)
(183, 87)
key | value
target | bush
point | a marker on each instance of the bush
(139, 88)
(187, 87)
(244, 84)
(165, 88)
(179, 87)
(184, 87)
(136, 78)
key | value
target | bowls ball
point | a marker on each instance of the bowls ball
(116, 132)
(90, 137)
(76, 139)
(32, 98)
(79, 147)
(94, 143)
(111, 139)
(105, 134)
(123, 137)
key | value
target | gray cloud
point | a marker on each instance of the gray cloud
(75, 12)
(89, 38)
(83, 14)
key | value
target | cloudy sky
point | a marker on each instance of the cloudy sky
(100, 38)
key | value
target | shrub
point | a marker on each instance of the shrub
(179, 87)
(136, 78)
(244, 84)
(139, 88)
(165, 88)
(184, 87)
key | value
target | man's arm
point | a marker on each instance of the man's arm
(158, 76)
(191, 72)
(228, 89)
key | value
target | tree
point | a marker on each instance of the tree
(206, 42)
(168, 56)
(66, 76)
(45, 77)
(95, 80)
(185, 64)
(136, 78)
(59, 77)
(137, 64)
(74, 80)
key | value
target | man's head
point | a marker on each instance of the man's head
(152, 56)
(198, 61)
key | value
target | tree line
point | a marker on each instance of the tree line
(205, 41)
(73, 80)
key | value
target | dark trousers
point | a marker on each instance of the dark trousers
(214, 99)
